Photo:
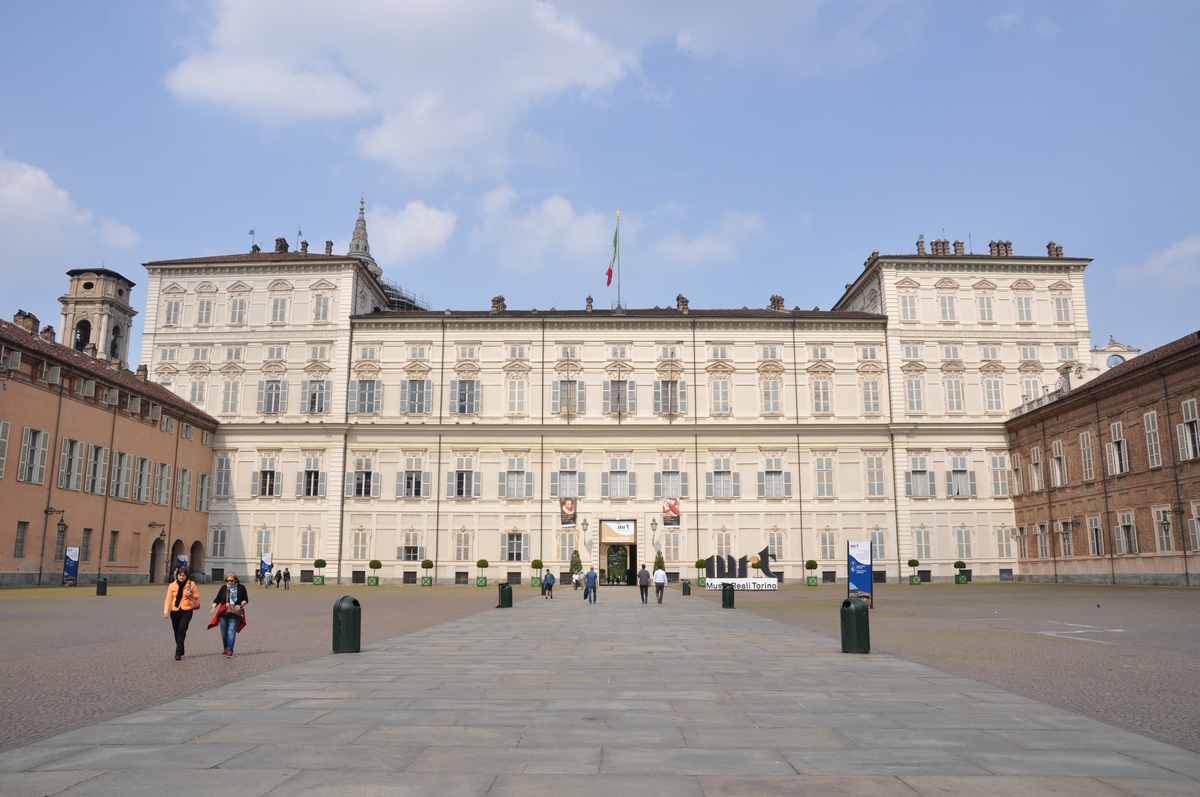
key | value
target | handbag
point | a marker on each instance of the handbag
(233, 611)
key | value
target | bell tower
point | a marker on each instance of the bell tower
(96, 314)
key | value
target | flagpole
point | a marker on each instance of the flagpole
(618, 257)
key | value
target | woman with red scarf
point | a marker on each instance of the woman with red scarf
(229, 611)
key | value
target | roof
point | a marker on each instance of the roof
(108, 272)
(254, 257)
(13, 335)
(655, 312)
(1134, 364)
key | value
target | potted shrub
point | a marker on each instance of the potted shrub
(913, 577)
(960, 577)
(427, 580)
(319, 565)
(810, 566)
(373, 579)
(659, 563)
(536, 580)
(576, 562)
(701, 564)
(481, 579)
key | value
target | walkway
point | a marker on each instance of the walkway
(616, 698)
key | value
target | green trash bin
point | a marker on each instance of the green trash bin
(727, 596)
(347, 625)
(856, 628)
(505, 596)
(687, 586)
(102, 586)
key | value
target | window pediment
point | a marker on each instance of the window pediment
(952, 367)
(232, 369)
(670, 370)
(818, 369)
(239, 287)
(913, 368)
(516, 368)
(992, 369)
(322, 285)
(274, 369)
(174, 289)
(619, 369)
(1061, 287)
(317, 371)
(1031, 368)
(719, 368)
(1022, 285)
(416, 370)
(165, 371)
(367, 370)
(908, 284)
(206, 287)
(198, 369)
(279, 286)
(984, 285)
(870, 368)
(771, 369)
(946, 284)
(466, 370)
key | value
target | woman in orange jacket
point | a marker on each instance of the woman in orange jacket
(182, 598)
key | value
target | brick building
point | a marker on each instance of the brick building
(94, 456)
(1107, 476)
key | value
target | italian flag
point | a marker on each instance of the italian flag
(613, 259)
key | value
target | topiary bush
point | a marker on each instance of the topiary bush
(811, 564)
(427, 564)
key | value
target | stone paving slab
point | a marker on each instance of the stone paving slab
(682, 698)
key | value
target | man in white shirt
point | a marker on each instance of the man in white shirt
(660, 583)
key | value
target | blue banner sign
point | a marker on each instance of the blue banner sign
(265, 566)
(858, 567)
(71, 567)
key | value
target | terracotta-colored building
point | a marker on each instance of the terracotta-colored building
(94, 457)
(1107, 476)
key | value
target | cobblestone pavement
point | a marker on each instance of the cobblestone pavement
(618, 697)
(1129, 656)
(71, 658)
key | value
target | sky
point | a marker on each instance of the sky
(752, 148)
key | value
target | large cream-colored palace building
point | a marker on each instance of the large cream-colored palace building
(352, 430)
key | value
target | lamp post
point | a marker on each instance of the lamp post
(162, 535)
(61, 527)
(1066, 526)
(654, 533)
(1164, 523)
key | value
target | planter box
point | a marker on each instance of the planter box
(535, 581)
(481, 581)
(426, 581)
(700, 581)
(813, 581)
(318, 580)
(960, 578)
(914, 580)
(372, 581)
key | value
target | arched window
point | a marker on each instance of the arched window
(114, 346)
(83, 334)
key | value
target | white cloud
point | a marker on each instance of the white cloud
(1176, 268)
(1016, 22)
(411, 232)
(714, 245)
(549, 232)
(446, 86)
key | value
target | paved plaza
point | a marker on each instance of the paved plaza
(614, 698)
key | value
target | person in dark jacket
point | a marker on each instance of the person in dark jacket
(548, 585)
(229, 611)
(182, 599)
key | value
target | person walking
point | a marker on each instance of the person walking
(575, 580)
(182, 599)
(660, 583)
(548, 585)
(278, 578)
(229, 611)
(589, 591)
(644, 583)
(287, 579)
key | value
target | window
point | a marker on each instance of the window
(200, 354)
(985, 310)
(818, 352)
(514, 548)
(308, 545)
(237, 311)
(162, 483)
(198, 390)
(769, 352)
(515, 481)
(204, 312)
(618, 482)
(417, 482)
(1032, 388)
(464, 396)
(1194, 529)
(870, 396)
(868, 353)
(1153, 447)
(187, 432)
(1062, 309)
(1021, 543)
(960, 482)
(569, 352)
(223, 473)
(266, 481)
(229, 396)
(183, 489)
(96, 480)
(774, 481)
(828, 545)
(34, 447)
(312, 480)
(1028, 353)
(722, 481)
(566, 545)
(206, 439)
(671, 481)
(914, 391)
(141, 479)
(4, 429)
(954, 395)
(720, 352)
(568, 397)
(669, 352)
(1126, 534)
(989, 352)
(410, 551)
(619, 397)
(112, 546)
(963, 539)
(462, 546)
(1117, 453)
(567, 482)
(921, 544)
(908, 307)
(366, 396)
(1095, 536)
(1004, 543)
(1024, 309)
(993, 393)
(202, 492)
(720, 396)
(919, 481)
(1058, 465)
(364, 482)
(279, 306)
(85, 546)
(417, 352)
(821, 397)
(368, 352)
(951, 351)
(1162, 525)
(171, 313)
(670, 397)
(672, 546)
(947, 305)
(416, 396)
(60, 543)
(358, 544)
(275, 352)
(122, 470)
(878, 546)
(263, 542)
(19, 541)
(517, 351)
(70, 465)
(1066, 352)
(999, 475)
(1036, 477)
(824, 468)
(876, 487)
(1068, 542)
(315, 395)
(770, 396)
(272, 396)
(463, 481)
(516, 396)
(912, 351)
(1016, 473)
(168, 425)
(234, 353)
(320, 308)
(1188, 432)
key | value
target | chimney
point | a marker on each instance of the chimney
(589, 304)
(921, 245)
(959, 249)
(304, 247)
(255, 249)
(777, 302)
(498, 304)
(1008, 248)
(329, 247)
(90, 350)
(48, 333)
(26, 321)
(1058, 250)
(681, 303)
(142, 372)
(281, 245)
(992, 249)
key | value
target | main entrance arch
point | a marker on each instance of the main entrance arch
(618, 550)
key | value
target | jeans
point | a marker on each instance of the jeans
(180, 621)
(228, 627)
(645, 588)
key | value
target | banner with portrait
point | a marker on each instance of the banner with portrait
(568, 509)
(670, 513)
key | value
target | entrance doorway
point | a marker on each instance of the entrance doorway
(618, 551)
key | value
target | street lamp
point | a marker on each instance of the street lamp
(162, 535)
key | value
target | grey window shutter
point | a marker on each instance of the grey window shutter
(657, 396)
(476, 396)
(64, 472)
(477, 484)
(503, 493)
(426, 482)
(908, 483)
(376, 484)
(525, 547)
(254, 483)
(378, 397)
(708, 484)
(787, 484)
(529, 484)
(300, 484)
(427, 397)
(1185, 441)
(352, 397)
(278, 486)
(657, 484)
(321, 484)
(604, 484)
(683, 484)
(283, 391)
(581, 397)
(328, 392)
(262, 392)
(762, 484)
(555, 397)
(737, 484)
(974, 488)
(630, 397)
(399, 484)
(606, 397)
(949, 484)
(404, 397)
(632, 484)
(932, 484)
(554, 484)
(453, 396)
(581, 481)
(450, 484)
(683, 396)
(304, 395)
(349, 484)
